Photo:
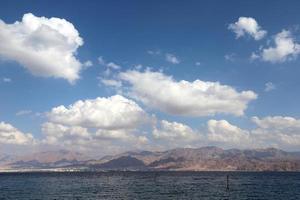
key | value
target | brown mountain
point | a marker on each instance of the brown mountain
(217, 159)
(121, 163)
(181, 159)
(47, 159)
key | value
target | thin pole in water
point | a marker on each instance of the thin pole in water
(227, 182)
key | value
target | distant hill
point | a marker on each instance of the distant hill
(121, 163)
(181, 159)
(47, 159)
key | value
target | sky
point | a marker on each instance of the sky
(104, 77)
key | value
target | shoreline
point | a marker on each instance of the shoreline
(134, 171)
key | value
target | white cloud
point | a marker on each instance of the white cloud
(197, 98)
(120, 135)
(101, 142)
(101, 60)
(285, 48)
(271, 131)
(11, 135)
(222, 132)
(88, 139)
(115, 112)
(254, 56)
(110, 65)
(56, 133)
(174, 131)
(111, 82)
(113, 65)
(172, 58)
(278, 131)
(138, 67)
(168, 135)
(44, 46)
(112, 134)
(269, 86)
(278, 123)
(23, 112)
(247, 25)
(87, 64)
(101, 124)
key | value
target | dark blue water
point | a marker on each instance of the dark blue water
(150, 185)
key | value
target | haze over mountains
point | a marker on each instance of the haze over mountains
(181, 159)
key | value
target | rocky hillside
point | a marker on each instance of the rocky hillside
(182, 159)
(217, 159)
(43, 160)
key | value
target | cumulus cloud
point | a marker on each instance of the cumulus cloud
(171, 58)
(247, 26)
(197, 98)
(11, 135)
(278, 122)
(115, 112)
(217, 132)
(269, 86)
(285, 48)
(120, 135)
(174, 131)
(271, 131)
(222, 132)
(58, 133)
(99, 124)
(102, 141)
(278, 131)
(167, 135)
(45, 46)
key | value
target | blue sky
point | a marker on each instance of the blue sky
(126, 32)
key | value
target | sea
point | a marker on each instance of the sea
(150, 185)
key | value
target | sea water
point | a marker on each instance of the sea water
(150, 185)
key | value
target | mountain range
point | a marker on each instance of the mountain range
(180, 159)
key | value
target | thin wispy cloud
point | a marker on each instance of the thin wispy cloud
(269, 86)
(6, 80)
(154, 52)
(230, 57)
(109, 66)
(171, 58)
(23, 112)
